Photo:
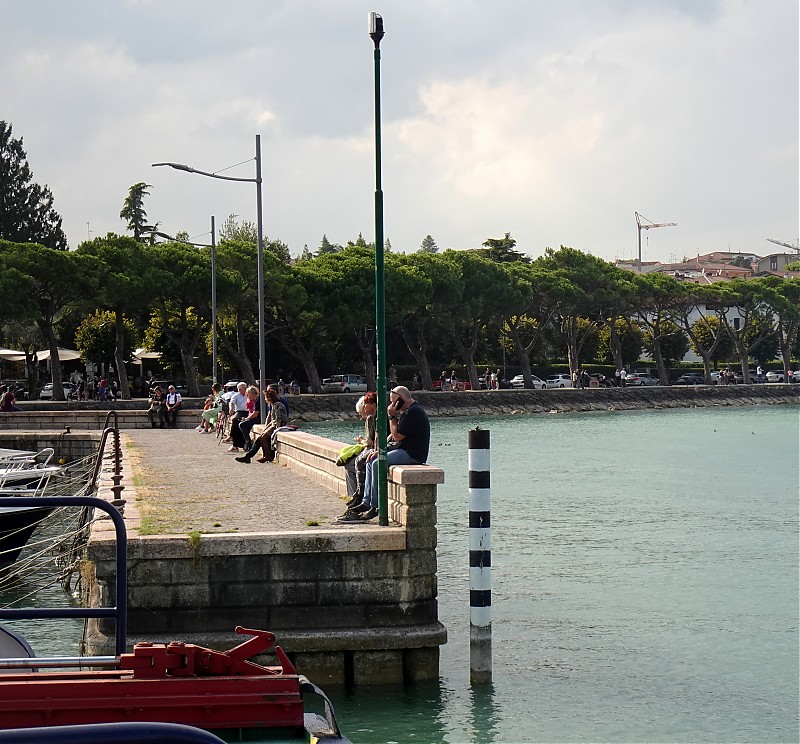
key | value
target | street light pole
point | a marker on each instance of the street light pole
(262, 353)
(376, 34)
(259, 205)
(213, 301)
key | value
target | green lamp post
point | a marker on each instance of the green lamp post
(376, 34)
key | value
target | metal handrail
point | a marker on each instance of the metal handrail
(120, 611)
(117, 477)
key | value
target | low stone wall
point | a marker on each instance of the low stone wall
(349, 604)
(87, 419)
(303, 408)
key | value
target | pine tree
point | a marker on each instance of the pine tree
(326, 246)
(133, 211)
(26, 209)
(428, 245)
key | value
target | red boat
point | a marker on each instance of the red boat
(176, 683)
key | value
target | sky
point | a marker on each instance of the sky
(552, 121)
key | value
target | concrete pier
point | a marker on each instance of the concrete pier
(214, 544)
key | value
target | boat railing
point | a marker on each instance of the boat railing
(119, 612)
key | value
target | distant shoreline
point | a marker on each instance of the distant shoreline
(306, 408)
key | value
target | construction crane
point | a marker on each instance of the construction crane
(794, 247)
(648, 226)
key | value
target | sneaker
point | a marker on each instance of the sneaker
(369, 514)
(198, 428)
(355, 501)
(360, 508)
(349, 516)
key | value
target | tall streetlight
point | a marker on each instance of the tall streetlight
(262, 355)
(213, 301)
(376, 34)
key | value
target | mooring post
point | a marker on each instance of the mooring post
(480, 558)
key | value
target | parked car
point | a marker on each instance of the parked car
(692, 378)
(776, 375)
(638, 380)
(519, 382)
(558, 381)
(47, 391)
(344, 384)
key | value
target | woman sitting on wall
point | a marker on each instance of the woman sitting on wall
(208, 418)
(277, 416)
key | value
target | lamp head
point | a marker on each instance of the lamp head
(376, 28)
(176, 166)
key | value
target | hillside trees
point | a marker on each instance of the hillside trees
(422, 294)
(27, 214)
(181, 300)
(659, 297)
(127, 278)
(743, 307)
(57, 281)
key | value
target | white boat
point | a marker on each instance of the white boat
(22, 473)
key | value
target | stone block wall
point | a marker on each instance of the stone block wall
(350, 604)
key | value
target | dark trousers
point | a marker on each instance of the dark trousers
(170, 418)
(237, 438)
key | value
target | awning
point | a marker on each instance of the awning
(145, 354)
(12, 355)
(64, 355)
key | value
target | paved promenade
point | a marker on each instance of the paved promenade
(185, 481)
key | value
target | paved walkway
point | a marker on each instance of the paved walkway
(185, 481)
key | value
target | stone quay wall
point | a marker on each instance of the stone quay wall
(308, 408)
(349, 604)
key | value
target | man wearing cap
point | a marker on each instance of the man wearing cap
(172, 405)
(410, 429)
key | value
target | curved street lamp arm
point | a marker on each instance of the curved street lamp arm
(189, 169)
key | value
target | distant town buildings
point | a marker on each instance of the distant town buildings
(720, 266)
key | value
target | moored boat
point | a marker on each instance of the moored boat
(226, 692)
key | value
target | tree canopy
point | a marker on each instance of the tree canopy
(27, 214)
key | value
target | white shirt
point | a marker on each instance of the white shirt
(239, 402)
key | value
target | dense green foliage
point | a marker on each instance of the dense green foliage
(462, 309)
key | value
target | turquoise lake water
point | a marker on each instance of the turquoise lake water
(645, 583)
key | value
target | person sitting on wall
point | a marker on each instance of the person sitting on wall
(241, 426)
(237, 406)
(411, 430)
(158, 405)
(172, 404)
(8, 399)
(355, 469)
(277, 416)
(210, 414)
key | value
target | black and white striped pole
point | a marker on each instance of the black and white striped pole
(480, 558)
